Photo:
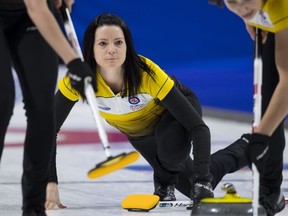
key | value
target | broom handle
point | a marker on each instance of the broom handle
(89, 92)
(258, 70)
(90, 95)
(70, 31)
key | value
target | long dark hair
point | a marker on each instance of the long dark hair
(134, 65)
(218, 3)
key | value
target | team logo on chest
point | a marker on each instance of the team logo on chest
(134, 103)
(134, 100)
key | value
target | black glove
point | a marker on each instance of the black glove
(257, 150)
(78, 71)
(272, 202)
(201, 188)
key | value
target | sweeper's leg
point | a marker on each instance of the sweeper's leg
(224, 161)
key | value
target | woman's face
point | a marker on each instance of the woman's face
(109, 47)
(246, 9)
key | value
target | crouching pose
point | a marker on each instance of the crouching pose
(161, 117)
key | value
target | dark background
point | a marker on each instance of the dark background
(206, 47)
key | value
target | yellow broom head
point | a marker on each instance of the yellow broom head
(112, 164)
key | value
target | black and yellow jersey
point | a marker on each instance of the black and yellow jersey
(134, 116)
(273, 16)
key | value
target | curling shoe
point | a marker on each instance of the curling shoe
(165, 192)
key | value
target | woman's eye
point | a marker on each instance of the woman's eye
(102, 43)
(118, 43)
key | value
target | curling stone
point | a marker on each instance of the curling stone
(229, 205)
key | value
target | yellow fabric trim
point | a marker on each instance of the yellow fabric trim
(66, 89)
(278, 13)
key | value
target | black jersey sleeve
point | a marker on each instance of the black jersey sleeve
(182, 109)
(185, 113)
(63, 106)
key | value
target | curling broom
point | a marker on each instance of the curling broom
(112, 163)
(257, 97)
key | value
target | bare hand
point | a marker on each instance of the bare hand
(68, 3)
(52, 197)
(58, 3)
(252, 33)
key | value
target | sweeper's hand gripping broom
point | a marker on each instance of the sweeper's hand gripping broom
(112, 163)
